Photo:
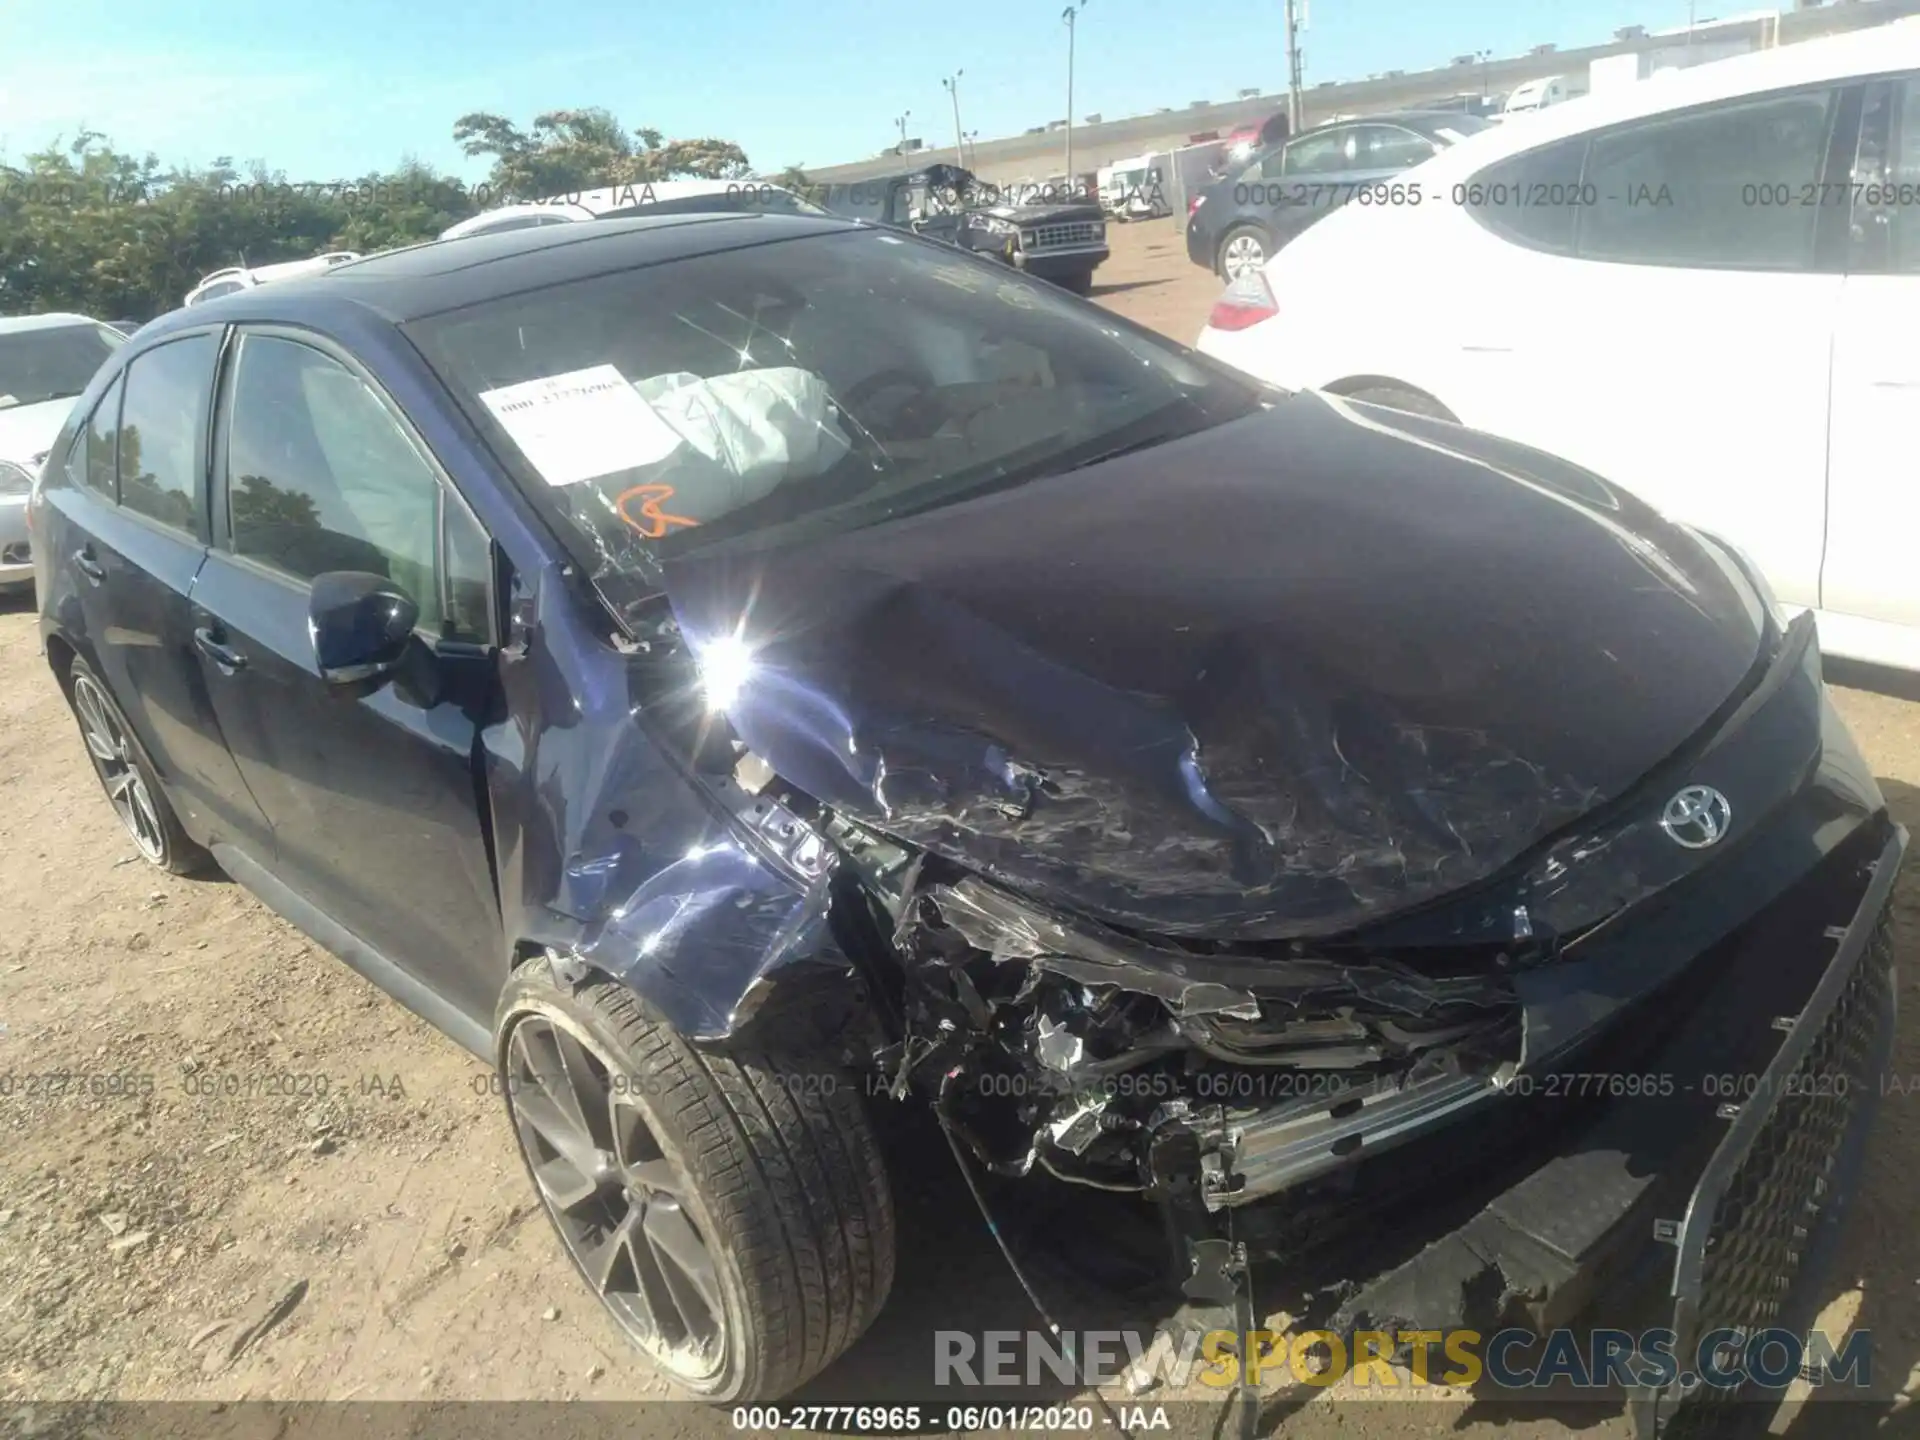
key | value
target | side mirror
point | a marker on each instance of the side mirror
(361, 625)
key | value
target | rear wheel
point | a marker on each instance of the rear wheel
(730, 1211)
(1243, 248)
(133, 789)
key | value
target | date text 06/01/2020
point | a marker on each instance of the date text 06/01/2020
(964, 1419)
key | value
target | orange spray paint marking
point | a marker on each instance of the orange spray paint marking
(652, 522)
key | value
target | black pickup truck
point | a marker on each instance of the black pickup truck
(1046, 231)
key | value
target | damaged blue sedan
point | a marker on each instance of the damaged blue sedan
(737, 673)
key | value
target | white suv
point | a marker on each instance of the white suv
(1705, 288)
(236, 278)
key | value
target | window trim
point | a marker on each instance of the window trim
(1823, 257)
(221, 536)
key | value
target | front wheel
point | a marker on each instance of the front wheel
(1080, 282)
(730, 1211)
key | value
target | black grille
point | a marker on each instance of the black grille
(1062, 234)
(1760, 1228)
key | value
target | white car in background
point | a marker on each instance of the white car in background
(618, 202)
(1706, 290)
(45, 362)
(236, 278)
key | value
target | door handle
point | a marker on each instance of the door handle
(228, 660)
(87, 565)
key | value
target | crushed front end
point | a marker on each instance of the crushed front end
(1626, 1074)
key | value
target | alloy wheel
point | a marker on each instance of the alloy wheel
(113, 756)
(1243, 253)
(618, 1203)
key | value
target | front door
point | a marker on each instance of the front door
(375, 797)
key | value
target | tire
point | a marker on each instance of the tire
(782, 1181)
(1080, 282)
(1395, 397)
(1242, 239)
(126, 774)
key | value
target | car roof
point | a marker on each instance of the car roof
(437, 276)
(20, 324)
(1879, 50)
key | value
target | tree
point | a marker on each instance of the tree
(566, 151)
(794, 179)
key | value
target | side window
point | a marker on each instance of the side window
(214, 292)
(1697, 189)
(1323, 154)
(91, 460)
(1531, 198)
(321, 476)
(1388, 147)
(1268, 167)
(162, 421)
(467, 561)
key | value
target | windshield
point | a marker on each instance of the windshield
(54, 363)
(784, 391)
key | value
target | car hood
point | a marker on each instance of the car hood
(28, 430)
(1280, 678)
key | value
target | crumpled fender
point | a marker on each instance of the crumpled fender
(701, 939)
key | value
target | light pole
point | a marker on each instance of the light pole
(901, 120)
(952, 82)
(972, 137)
(1483, 56)
(1071, 15)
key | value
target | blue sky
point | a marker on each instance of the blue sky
(331, 90)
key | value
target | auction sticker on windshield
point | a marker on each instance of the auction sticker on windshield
(582, 425)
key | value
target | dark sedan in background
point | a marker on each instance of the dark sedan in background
(734, 673)
(1246, 215)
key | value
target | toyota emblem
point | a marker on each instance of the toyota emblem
(1696, 817)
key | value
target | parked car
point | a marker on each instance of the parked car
(1239, 221)
(1539, 94)
(727, 672)
(236, 278)
(620, 202)
(1064, 241)
(1697, 288)
(45, 362)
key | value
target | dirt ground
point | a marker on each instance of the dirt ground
(369, 1207)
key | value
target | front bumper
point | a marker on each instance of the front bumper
(1049, 264)
(1708, 1200)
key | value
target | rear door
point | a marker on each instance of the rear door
(374, 797)
(1873, 501)
(130, 523)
